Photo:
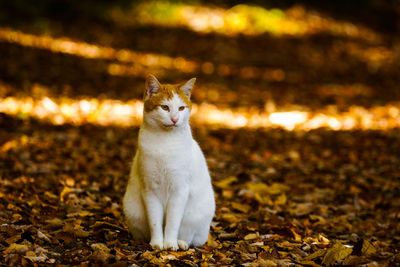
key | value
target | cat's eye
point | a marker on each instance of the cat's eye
(165, 107)
(181, 108)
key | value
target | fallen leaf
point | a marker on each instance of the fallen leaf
(101, 252)
(37, 256)
(212, 242)
(226, 182)
(336, 253)
(281, 200)
(241, 207)
(251, 236)
(266, 263)
(66, 190)
(54, 223)
(16, 248)
(322, 240)
(368, 248)
(296, 236)
(262, 188)
(231, 218)
(317, 254)
(82, 213)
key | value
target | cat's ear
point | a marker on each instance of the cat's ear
(188, 86)
(152, 85)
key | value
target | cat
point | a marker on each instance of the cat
(169, 200)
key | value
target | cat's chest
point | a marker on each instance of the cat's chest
(165, 159)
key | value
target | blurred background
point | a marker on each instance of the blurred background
(290, 64)
(296, 107)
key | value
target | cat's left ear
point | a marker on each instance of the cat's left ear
(188, 86)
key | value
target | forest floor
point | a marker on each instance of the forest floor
(285, 196)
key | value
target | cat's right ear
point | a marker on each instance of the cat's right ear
(152, 86)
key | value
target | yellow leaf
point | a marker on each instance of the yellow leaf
(316, 254)
(263, 199)
(257, 187)
(226, 182)
(297, 237)
(251, 236)
(281, 200)
(212, 243)
(262, 188)
(241, 207)
(226, 193)
(50, 195)
(336, 253)
(367, 248)
(16, 248)
(64, 192)
(231, 218)
(277, 188)
(266, 263)
(85, 213)
(54, 223)
(267, 249)
(323, 240)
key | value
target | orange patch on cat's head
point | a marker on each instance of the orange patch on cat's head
(164, 92)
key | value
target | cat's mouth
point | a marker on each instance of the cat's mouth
(170, 126)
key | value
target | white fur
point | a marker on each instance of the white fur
(169, 200)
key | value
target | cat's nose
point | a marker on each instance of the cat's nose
(174, 120)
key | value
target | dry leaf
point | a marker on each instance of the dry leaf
(231, 218)
(212, 242)
(368, 248)
(251, 236)
(226, 182)
(16, 248)
(66, 190)
(336, 253)
(241, 207)
(317, 254)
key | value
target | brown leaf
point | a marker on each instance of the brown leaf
(54, 223)
(16, 248)
(101, 252)
(336, 253)
(317, 254)
(368, 248)
(212, 242)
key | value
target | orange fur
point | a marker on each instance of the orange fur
(166, 91)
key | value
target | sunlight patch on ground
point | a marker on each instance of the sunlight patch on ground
(143, 61)
(109, 112)
(240, 19)
(130, 63)
(126, 62)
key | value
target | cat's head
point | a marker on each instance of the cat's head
(167, 106)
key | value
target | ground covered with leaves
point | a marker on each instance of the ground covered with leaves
(315, 198)
(284, 196)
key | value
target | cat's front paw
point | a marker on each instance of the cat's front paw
(157, 244)
(183, 245)
(171, 245)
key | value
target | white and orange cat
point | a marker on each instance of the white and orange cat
(169, 200)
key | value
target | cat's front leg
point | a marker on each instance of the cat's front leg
(174, 213)
(155, 216)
